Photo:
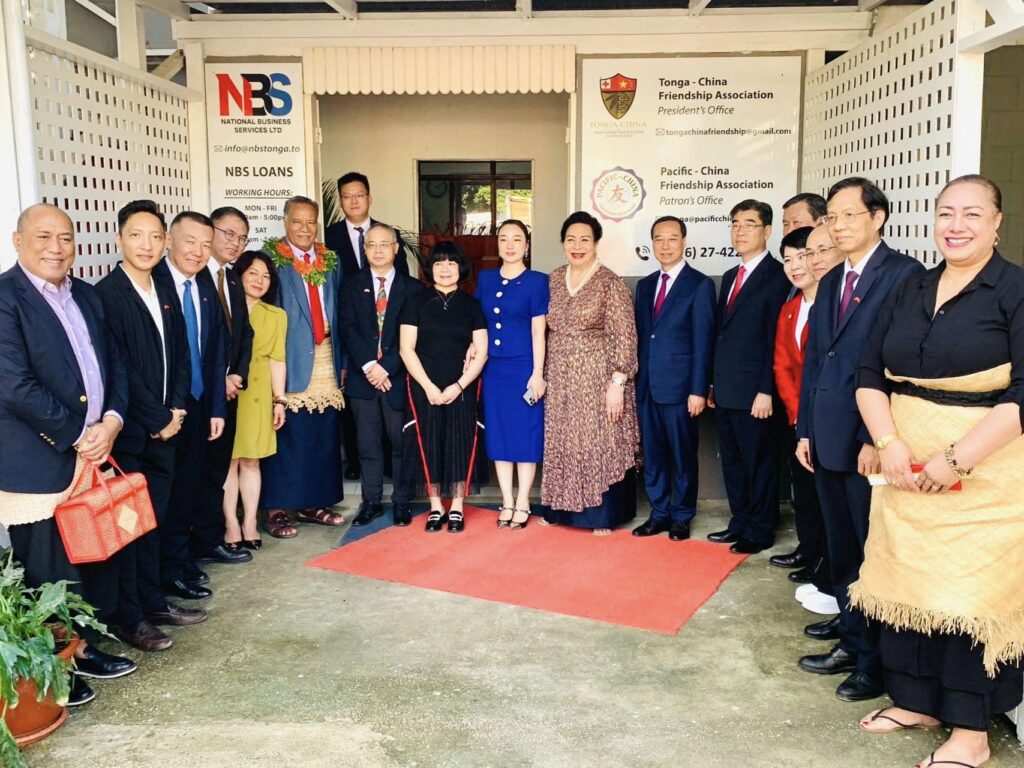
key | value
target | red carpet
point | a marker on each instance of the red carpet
(651, 583)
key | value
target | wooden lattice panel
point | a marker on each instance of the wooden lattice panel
(103, 139)
(885, 110)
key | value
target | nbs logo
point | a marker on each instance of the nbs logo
(256, 95)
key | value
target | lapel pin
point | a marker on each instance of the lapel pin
(366, 290)
(856, 299)
(166, 308)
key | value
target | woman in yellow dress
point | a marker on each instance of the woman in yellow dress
(261, 405)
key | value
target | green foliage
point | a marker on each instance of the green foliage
(28, 618)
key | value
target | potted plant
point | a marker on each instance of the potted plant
(37, 642)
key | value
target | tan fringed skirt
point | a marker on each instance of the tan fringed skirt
(323, 391)
(951, 562)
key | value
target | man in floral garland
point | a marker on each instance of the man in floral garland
(305, 474)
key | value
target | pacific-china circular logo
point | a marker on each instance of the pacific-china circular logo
(617, 194)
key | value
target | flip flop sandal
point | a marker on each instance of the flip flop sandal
(321, 517)
(932, 761)
(880, 715)
(279, 525)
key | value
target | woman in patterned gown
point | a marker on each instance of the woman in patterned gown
(591, 436)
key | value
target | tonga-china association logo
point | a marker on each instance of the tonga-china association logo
(617, 93)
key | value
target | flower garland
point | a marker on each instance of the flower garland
(315, 273)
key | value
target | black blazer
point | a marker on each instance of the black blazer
(828, 413)
(745, 343)
(211, 342)
(239, 332)
(42, 396)
(358, 320)
(336, 238)
(130, 327)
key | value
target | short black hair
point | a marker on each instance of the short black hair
(976, 178)
(448, 250)
(816, 203)
(228, 210)
(663, 219)
(582, 217)
(300, 200)
(871, 195)
(139, 206)
(353, 176)
(198, 218)
(796, 239)
(762, 209)
(243, 262)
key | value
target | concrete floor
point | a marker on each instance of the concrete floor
(299, 667)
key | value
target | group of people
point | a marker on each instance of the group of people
(231, 379)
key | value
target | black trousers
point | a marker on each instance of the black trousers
(810, 528)
(376, 423)
(208, 530)
(750, 470)
(845, 499)
(185, 511)
(138, 573)
(350, 438)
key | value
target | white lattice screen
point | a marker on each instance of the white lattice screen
(105, 135)
(886, 110)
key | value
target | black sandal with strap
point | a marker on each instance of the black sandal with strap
(435, 520)
(880, 715)
(502, 520)
(456, 521)
(516, 525)
(932, 761)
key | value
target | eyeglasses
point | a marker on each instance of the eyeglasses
(847, 218)
(354, 196)
(746, 227)
(379, 246)
(231, 237)
(810, 253)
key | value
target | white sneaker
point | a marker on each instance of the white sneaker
(821, 603)
(803, 590)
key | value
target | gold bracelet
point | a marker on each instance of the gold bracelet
(951, 460)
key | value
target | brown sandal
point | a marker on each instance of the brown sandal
(279, 525)
(321, 517)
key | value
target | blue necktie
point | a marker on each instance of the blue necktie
(192, 331)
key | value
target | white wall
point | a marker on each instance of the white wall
(384, 137)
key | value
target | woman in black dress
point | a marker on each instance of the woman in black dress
(444, 452)
(940, 388)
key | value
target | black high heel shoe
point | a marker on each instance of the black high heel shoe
(502, 520)
(253, 544)
(456, 521)
(516, 525)
(435, 520)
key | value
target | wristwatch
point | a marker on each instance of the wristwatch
(619, 381)
(281, 401)
(882, 442)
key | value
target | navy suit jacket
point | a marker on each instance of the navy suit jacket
(130, 328)
(42, 395)
(674, 351)
(745, 344)
(336, 238)
(358, 320)
(212, 344)
(828, 414)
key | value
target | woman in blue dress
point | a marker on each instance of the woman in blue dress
(515, 303)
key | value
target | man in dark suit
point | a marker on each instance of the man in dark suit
(145, 323)
(833, 441)
(751, 297)
(184, 271)
(230, 235)
(368, 315)
(347, 238)
(63, 397)
(675, 325)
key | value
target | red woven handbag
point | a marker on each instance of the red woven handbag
(100, 520)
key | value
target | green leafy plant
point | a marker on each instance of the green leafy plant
(31, 621)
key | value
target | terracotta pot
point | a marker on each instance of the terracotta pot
(32, 720)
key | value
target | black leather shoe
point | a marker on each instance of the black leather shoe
(368, 512)
(176, 616)
(194, 575)
(835, 662)
(860, 686)
(186, 591)
(402, 513)
(224, 554)
(352, 472)
(823, 630)
(651, 528)
(96, 663)
(792, 560)
(679, 531)
(81, 693)
(802, 576)
(435, 520)
(724, 537)
(746, 547)
(456, 521)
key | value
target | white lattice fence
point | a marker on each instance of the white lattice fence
(105, 134)
(888, 110)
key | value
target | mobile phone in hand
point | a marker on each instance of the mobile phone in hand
(529, 397)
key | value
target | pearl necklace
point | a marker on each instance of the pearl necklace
(586, 277)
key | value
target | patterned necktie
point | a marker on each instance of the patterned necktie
(361, 256)
(847, 297)
(661, 295)
(316, 309)
(224, 299)
(736, 286)
(382, 307)
(192, 331)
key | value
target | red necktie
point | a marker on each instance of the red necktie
(316, 310)
(736, 286)
(661, 295)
